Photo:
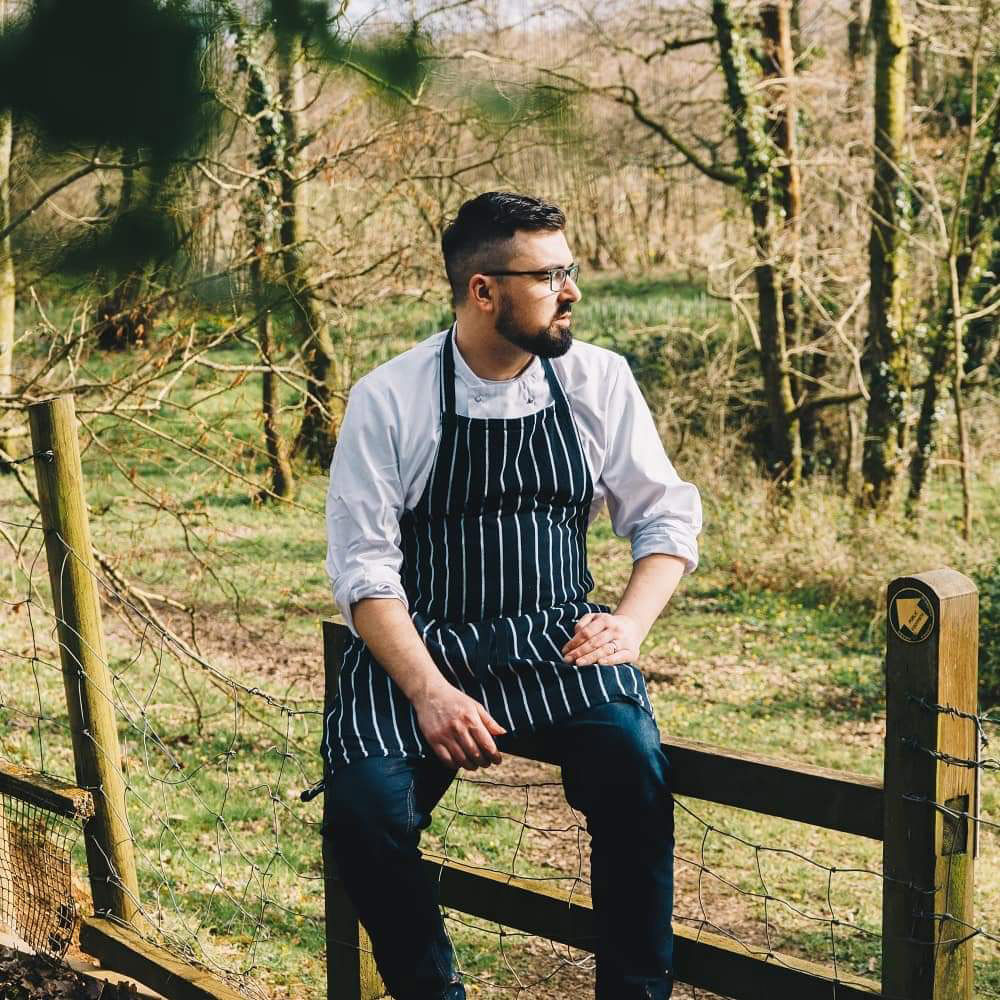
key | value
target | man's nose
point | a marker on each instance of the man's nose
(570, 291)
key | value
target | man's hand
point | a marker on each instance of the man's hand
(604, 638)
(459, 730)
(616, 638)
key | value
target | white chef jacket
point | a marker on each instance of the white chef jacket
(390, 434)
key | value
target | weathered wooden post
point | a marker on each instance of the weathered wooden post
(350, 967)
(89, 694)
(931, 674)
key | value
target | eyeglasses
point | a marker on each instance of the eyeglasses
(557, 275)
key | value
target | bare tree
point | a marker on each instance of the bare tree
(317, 433)
(756, 157)
(886, 360)
(260, 213)
(7, 285)
(970, 239)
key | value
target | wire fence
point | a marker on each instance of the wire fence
(36, 893)
(214, 760)
(212, 768)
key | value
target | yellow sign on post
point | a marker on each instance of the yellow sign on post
(911, 615)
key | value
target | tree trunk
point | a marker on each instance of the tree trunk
(812, 422)
(282, 477)
(123, 319)
(7, 286)
(755, 155)
(855, 33)
(260, 212)
(982, 335)
(981, 341)
(321, 416)
(964, 452)
(917, 49)
(885, 361)
(794, 10)
(779, 63)
(852, 449)
(980, 214)
(929, 418)
(858, 49)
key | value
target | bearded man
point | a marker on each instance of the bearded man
(467, 472)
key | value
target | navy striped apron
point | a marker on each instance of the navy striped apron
(495, 571)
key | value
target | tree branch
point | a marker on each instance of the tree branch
(630, 99)
(45, 195)
(818, 402)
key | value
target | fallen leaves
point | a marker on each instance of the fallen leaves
(31, 977)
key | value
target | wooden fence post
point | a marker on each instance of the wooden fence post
(931, 665)
(89, 694)
(350, 967)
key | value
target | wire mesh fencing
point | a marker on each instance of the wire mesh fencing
(214, 760)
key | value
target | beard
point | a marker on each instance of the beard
(551, 341)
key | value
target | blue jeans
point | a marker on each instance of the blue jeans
(613, 771)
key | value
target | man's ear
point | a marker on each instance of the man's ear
(481, 292)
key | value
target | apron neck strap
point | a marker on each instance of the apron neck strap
(555, 386)
(448, 373)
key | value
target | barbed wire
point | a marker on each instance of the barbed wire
(47, 455)
(239, 849)
(978, 719)
(983, 764)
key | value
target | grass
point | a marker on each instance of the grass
(774, 645)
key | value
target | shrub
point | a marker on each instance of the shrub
(988, 582)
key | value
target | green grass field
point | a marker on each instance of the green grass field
(774, 645)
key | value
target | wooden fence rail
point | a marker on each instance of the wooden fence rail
(931, 659)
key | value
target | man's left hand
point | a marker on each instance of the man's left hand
(604, 638)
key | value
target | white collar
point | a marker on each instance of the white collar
(532, 373)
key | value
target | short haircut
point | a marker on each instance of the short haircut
(480, 237)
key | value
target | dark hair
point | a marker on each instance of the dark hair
(479, 237)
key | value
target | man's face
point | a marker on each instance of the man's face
(530, 315)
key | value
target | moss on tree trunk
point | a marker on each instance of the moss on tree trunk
(755, 151)
(7, 286)
(885, 362)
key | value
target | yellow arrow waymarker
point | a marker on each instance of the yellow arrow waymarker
(910, 615)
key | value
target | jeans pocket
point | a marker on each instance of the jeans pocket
(398, 775)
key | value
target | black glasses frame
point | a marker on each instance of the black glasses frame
(571, 272)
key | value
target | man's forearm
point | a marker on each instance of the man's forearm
(388, 631)
(654, 579)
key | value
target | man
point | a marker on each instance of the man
(467, 471)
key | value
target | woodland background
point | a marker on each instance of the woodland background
(215, 216)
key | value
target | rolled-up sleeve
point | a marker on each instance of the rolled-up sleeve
(364, 503)
(648, 502)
